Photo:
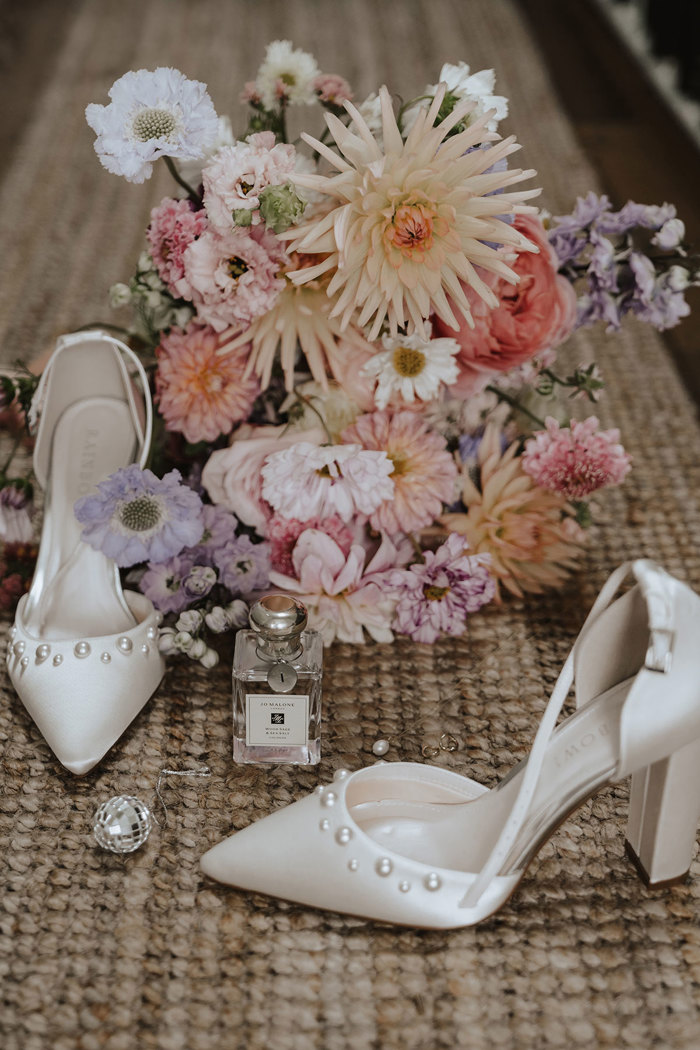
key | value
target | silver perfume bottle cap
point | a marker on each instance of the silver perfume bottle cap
(278, 618)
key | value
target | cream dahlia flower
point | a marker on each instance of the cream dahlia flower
(301, 316)
(413, 221)
(529, 532)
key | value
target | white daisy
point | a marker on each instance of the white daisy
(152, 114)
(475, 87)
(286, 72)
(412, 366)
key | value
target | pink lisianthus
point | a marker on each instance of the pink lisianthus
(174, 225)
(576, 460)
(200, 392)
(232, 278)
(331, 87)
(235, 177)
(306, 480)
(436, 596)
(532, 317)
(342, 595)
(283, 533)
(232, 476)
(424, 472)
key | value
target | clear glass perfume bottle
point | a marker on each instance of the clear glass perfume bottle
(277, 667)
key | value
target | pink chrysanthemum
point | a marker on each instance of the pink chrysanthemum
(174, 225)
(305, 480)
(424, 471)
(201, 393)
(436, 596)
(232, 278)
(575, 461)
(283, 533)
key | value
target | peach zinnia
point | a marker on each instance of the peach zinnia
(200, 392)
(411, 223)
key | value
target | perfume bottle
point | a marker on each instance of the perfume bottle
(277, 667)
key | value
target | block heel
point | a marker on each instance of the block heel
(663, 817)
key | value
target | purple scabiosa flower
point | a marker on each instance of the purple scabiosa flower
(136, 517)
(435, 597)
(219, 528)
(163, 584)
(243, 566)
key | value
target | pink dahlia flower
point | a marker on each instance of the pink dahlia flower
(232, 476)
(232, 278)
(236, 176)
(305, 481)
(174, 225)
(532, 317)
(200, 392)
(575, 461)
(436, 596)
(424, 472)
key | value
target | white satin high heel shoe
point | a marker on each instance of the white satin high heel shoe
(418, 845)
(83, 654)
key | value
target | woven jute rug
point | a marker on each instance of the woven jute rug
(143, 952)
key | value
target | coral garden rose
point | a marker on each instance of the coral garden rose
(532, 317)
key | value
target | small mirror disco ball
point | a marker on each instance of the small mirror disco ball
(122, 824)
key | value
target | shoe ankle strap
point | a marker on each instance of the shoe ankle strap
(130, 382)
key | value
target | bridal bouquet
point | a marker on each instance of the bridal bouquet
(350, 338)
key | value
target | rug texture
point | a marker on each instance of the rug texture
(99, 952)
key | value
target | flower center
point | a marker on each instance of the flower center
(288, 78)
(435, 594)
(237, 267)
(400, 464)
(407, 362)
(153, 124)
(245, 187)
(411, 229)
(140, 514)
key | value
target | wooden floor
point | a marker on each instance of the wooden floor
(631, 138)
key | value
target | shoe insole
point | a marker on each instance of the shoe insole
(76, 591)
(581, 756)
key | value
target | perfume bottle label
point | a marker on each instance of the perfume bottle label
(273, 718)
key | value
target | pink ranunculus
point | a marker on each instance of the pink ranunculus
(236, 176)
(174, 225)
(232, 278)
(232, 476)
(532, 317)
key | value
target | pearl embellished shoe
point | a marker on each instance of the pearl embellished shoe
(421, 846)
(83, 654)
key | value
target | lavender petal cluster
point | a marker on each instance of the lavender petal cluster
(626, 261)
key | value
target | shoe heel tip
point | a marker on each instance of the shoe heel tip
(651, 884)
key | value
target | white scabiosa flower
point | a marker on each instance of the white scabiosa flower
(151, 115)
(412, 366)
(286, 73)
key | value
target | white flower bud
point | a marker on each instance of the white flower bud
(217, 620)
(119, 295)
(210, 659)
(198, 649)
(166, 640)
(677, 278)
(183, 641)
(189, 621)
(237, 612)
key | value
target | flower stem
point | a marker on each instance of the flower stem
(514, 403)
(6, 465)
(192, 194)
(307, 401)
